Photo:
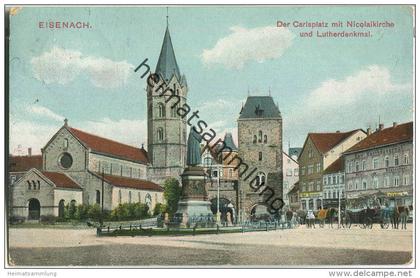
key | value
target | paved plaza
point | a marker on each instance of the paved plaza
(281, 248)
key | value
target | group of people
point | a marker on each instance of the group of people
(394, 215)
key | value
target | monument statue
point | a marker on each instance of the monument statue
(193, 148)
(194, 206)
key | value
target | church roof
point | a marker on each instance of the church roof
(167, 66)
(259, 107)
(61, 180)
(120, 181)
(109, 147)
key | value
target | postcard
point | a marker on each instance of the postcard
(223, 136)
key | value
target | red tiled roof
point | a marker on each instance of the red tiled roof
(24, 163)
(61, 180)
(326, 141)
(336, 166)
(120, 181)
(110, 147)
(387, 136)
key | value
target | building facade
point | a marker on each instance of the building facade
(333, 185)
(290, 175)
(261, 153)
(319, 152)
(83, 168)
(379, 169)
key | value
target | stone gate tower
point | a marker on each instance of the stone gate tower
(260, 139)
(166, 131)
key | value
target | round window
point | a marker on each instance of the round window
(66, 160)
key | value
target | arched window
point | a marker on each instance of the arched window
(265, 138)
(98, 197)
(173, 111)
(396, 160)
(161, 110)
(160, 134)
(39, 184)
(34, 184)
(119, 196)
(129, 197)
(66, 143)
(255, 139)
(29, 185)
(259, 136)
(260, 180)
(61, 209)
(139, 197)
(260, 156)
(386, 161)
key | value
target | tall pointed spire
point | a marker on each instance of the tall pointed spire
(167, 65)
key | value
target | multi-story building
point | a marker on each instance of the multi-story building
(333, 185)
(319, 152)
(293, 197)
(290, 175)
(379, 169)
(261, 156)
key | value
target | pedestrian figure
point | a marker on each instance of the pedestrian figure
(404, 215)
(310, 219)
(395, 217)
(289, 216)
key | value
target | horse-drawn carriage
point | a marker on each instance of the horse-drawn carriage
(366, 217)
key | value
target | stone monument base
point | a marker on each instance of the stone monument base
(194, 206)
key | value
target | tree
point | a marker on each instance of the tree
(172, 193)
(159, 209)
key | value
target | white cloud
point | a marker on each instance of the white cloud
(26, 134)
(373, 80)
(62, 66)
(356, 101)
(244, 45)
(44, 112)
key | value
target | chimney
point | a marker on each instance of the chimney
(394, 124)
(381, 126)
(369, 131)
(29, 151)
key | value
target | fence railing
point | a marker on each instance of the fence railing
(150, 228)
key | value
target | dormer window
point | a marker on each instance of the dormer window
(258, 111)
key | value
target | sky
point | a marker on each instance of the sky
(226, 53)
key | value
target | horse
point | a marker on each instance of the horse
(395, 217)
(332, 216)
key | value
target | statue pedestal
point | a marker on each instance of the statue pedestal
(194, 206)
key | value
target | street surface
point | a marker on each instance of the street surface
(281, 248)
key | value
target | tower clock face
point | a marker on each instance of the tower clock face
(66, 160)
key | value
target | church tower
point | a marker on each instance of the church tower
(167, 131)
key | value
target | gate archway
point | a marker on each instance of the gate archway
(34, 209)
(225, 206)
